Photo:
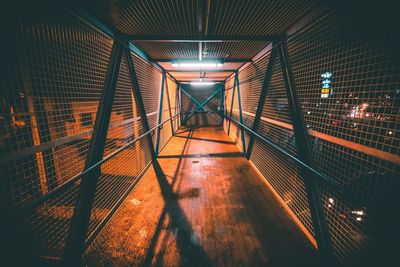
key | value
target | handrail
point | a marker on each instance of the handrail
(323, 178)
(43, 198)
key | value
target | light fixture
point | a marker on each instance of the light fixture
(199, 64)
(201, 83)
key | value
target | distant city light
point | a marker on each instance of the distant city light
(326, 90)
(358, 212)
(326, 75)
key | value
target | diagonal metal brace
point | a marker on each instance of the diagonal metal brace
(201, 106)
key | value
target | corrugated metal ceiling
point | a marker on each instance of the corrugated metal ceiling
(249, 17)
(162, 20)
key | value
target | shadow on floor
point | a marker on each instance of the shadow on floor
(208, 155)
(191, 253)
(210, 140)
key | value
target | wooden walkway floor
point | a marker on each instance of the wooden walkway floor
(204, 205)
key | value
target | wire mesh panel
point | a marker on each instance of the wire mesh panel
(282, 173)
(118, 175)
(150, 80)
(251, 81)
(348, 85)
(348, 89)
(167, 112)
(44, 230)
(51, 83)
(174, 102)
(120, 172)
(232, 101)
(125, 123)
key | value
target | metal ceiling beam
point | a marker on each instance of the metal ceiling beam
(222, 60)
(197, 77)
(204, 39)
(200, 4)
(203, 70)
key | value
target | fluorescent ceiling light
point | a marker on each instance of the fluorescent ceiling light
(201, 83)
(197, 64)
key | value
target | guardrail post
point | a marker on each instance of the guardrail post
(263, 96)
(230, 111)
(75, 245)
(169, 107)
(139, 102)
(300, 132)
(221, 102)
(160, 111)
(240, 112)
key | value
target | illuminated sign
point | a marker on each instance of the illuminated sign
(326, 84)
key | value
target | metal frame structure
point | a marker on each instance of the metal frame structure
(301, 137)
(199, 105)
(311, 176)
(160, 111)
(240, 112)
(139, 102)
(263, 96)
(79, 225)
(77, 237)
(211, 39)
(230, 110)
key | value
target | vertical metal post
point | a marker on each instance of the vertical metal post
(240, 112)
(230, 111)
(80, 221)
(160, 111)
(180, 104)
(224, 95)
(221, 102)
(263, 96)
(300, 132)
(139, 101)
(169, 107)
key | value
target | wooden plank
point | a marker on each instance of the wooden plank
(209, 210)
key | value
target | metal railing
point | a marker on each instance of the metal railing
(18, 214)
(319, 178)
(42, 199)
(338, 188)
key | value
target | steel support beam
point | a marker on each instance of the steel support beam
(75, 245)
(263, 96)
(203, 70)
(193, 99)
(139, 102)
(230, 111)
(240, 112)
(301, 137)
(222, 60)
(169, 106)
(200, 106)
(209, 38)
(180, 104)
(221, 102)
(160, 111)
